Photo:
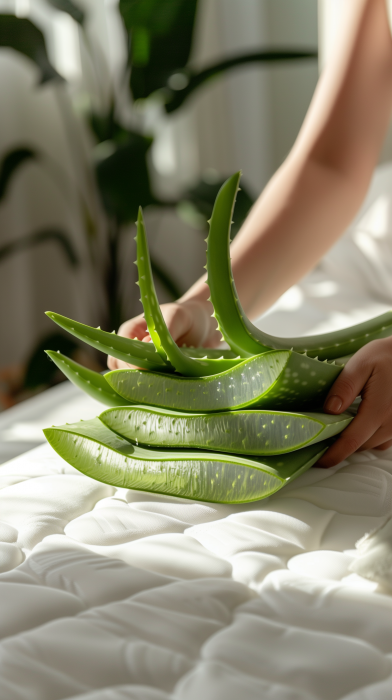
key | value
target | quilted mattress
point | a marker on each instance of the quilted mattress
(110, 593)
(114, 594)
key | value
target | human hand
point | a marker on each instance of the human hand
(189, 322)
(368, 374)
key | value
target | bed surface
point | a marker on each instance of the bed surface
(109, 593)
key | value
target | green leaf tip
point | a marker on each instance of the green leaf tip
(133, 352)
(91, 382)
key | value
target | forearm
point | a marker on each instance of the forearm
(315, 194)
(318, 190)
(299, 216)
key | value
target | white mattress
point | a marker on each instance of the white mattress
(107, 594)
(111, 593)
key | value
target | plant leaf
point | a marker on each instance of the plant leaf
(280, 380)
(133, 351)
(191, 81)
(22, 35)
(92, 383)
(239, 332)
(160, 34)
(202, 198)
(70, 8)
(123, 178)
(159, 332)
(39, 371)
(103, 125)
(164, 278)
(33, 239)
(236, 432)
(215, 477)
(10, 163)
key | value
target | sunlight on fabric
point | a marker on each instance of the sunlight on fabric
(292, 299)
(289, 301)
(66, 46)
(328, 288)
(163, 152)
(364, 241)
(174, 152)
(23, 432)
(376, 218)
(22, 8)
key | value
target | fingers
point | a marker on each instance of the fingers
(134, 328)
(381, 437)
(114, 363)
(178, 320)
(189, 323)
(348, 385)
(384, 446)
(368, 373)
(351, 439)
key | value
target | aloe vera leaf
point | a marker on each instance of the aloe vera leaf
(223, 294)
(242, 336)
(279, 380)
(159, 332)
(135, 352)
(131, 351)
(240, 432)
(211, 353)
(92, 383)
(147, 291)
(96, 451)
(342, 361)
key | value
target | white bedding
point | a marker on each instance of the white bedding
(111, 594)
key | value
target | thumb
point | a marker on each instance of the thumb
(348, 385)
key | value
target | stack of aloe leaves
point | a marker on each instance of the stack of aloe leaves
(219, 426)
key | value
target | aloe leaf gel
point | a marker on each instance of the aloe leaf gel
(279, 379)
(238, 331)
(96, 451)
(239, 432)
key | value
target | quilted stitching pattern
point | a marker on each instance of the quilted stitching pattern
(109, 594)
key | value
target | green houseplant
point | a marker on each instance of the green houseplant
(159, 35)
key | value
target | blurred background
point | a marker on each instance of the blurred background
(111, 104)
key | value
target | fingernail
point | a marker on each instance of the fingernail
(333, 404)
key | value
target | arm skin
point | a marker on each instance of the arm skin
(306, 207)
